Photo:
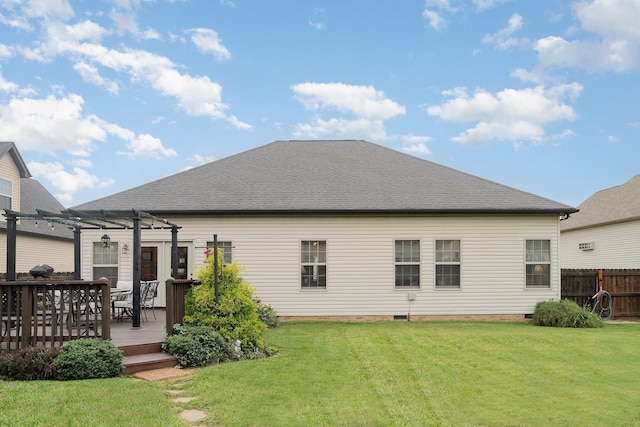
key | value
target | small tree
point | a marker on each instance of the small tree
(236, 314)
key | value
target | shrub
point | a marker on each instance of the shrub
(197, 346)
(31, 363)
(87, 359)
(268, 315)
(566, 314)
(236, 314)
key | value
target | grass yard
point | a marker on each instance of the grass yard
(431, 373)
(376, 374)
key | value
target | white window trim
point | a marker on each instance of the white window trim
(525, 263)
(435, 264)
(394, 264)
(325, 264)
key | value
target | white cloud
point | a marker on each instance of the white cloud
(207, 41)
(416, 144)
(5, 51)
(366, 107)
(503, 39)
(147, 146)
(317, 25)
(488, 4)
(435, 19)
(66, 183)
(197, 96)
(90, 74)
(50, 124)
(615, 47)
(49, 9)
(509, 115)
(59, 124)
(362, 101)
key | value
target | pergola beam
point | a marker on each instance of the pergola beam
(78, 220)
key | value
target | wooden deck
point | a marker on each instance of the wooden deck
(152, 331)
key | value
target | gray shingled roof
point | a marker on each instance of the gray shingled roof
(616, 204)
(323, 176)
(34, 196)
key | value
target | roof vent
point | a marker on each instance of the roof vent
(587, 246)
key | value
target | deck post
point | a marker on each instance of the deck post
(11, 245)
(137, 250)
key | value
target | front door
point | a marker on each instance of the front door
(149, 263)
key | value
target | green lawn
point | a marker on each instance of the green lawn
(377, 374)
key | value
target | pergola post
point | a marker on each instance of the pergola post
(174, 252)
(12, 220)
(76, 253)
(137, 251)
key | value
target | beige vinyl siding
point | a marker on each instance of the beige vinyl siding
(31, 251)
(360, 261)
(10, 172)
(616, 246)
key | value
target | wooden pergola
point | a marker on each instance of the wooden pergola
(134, 220)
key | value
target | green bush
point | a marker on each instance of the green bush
(31, 363)
(268, 315)
(87, 359)
(565, 314)
(236, 314)
(197, 346)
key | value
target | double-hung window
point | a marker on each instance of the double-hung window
(407, 264)
(538, 263)
(6, 190)
(227, 250)
(105, 261)
(313, 266)
(447, 263)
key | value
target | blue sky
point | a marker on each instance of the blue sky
(104, 95)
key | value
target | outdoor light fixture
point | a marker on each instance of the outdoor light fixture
(106, 240)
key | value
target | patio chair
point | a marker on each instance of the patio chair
(123, 302)
(150, 297)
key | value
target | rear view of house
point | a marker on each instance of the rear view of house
(348, 229)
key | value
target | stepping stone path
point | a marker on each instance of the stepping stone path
(191, 415)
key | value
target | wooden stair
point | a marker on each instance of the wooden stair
(145, 357)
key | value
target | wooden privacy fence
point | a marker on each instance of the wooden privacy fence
(622, 284)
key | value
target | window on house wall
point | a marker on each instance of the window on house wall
(105, 262)
(538, 263)
(447, 263)
(6, 194)
(314, 264)
(407, 263)
(227, 249)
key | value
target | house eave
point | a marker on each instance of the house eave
(353, 212)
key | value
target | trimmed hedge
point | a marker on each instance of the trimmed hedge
(89, 358)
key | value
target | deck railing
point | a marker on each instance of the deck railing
(176, 293)
(46, 312)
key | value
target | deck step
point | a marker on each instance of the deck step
(148, 362)
(145, 357)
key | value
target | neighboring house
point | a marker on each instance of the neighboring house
(36, 242)
(606, 232)
(347, 229)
